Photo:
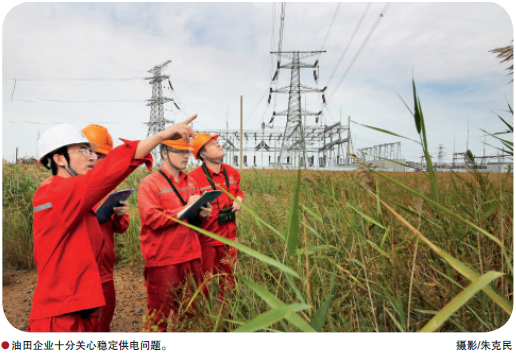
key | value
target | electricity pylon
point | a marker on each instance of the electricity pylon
(157, 116)
(440, 156)
(294, 135)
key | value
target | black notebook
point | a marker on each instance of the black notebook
(194, 209)
(105, 210)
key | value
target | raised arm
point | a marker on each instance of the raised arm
(174, 132)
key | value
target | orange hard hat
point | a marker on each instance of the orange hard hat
(200, 140)
(177, 144)
(99, 134)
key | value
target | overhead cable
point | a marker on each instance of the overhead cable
(73, 79)
(330, 27)
(75, 122)
(280, 43)
(282, 26)
(257, 104)
(364, 43)
(74, 101)
(272, 33)
(359, 24)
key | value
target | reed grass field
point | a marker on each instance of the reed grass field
(361, 251)
(369, 255)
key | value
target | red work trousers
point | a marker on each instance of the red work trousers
(105, 313)
(169, 289)
(72, 322)
(219, 260)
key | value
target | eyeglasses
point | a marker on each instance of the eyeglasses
(86, 152)
(179, 152)
(100, 155)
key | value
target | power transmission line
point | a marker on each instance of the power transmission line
(317, 60)
(74, 79)
(282, 26)
(272, 34)
(359, 24)
(75, 122)
(256, 106)
(331, 26)
(364, 43)
(280, 44)
(73, 101)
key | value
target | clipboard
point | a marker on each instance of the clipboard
(105, 210)
(194, 209)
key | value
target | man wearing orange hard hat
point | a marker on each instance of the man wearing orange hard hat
(118, 223)
(171, 250)
(217, 258)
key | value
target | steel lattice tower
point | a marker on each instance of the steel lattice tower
(294, 135)
(157, 115)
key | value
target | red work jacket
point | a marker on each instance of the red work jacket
(164, 241)
(118, 225)
(67, 236)
(226, 230)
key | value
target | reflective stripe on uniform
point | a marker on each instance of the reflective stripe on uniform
(208, 187)
(167, 190)
(170, 190)
(43, 207)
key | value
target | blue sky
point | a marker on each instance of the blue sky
(220, 51)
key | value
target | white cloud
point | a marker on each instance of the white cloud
(220, 51)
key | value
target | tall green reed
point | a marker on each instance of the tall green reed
(479, 282)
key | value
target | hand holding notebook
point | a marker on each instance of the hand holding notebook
(105, 210)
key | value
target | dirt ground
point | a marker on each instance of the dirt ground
(131, 298)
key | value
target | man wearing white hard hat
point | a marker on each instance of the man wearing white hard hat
(67, 236)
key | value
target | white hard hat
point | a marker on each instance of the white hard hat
(60, 136)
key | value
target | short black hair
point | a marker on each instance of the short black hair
(53, 166)
(199, 154)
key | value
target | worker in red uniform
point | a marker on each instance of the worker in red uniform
(217, 258)
(67, 237)
(118, 223)
(172, 251)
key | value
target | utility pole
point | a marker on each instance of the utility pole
(339, 149)
(157, 116)
(227, 130)
(241, 131)
(453, 163)
(294, 135)
(349, 141)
